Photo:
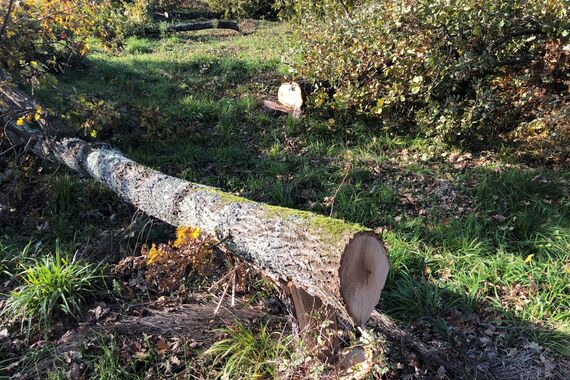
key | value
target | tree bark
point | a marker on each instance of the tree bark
(343, 264)
(193, 26)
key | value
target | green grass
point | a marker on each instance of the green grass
(247, 354)
(53, 284)
(189, 106)
(28, 363)
(108, 364)
(11, 257)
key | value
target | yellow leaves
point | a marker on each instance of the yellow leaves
(166, 265)
(185, 235)
(93, 133)
(83, 48)
(29, 117)
(38, 114)
(529, 258)
(153, 255)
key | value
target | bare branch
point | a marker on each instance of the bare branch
(6, 18)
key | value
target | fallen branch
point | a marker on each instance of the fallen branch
(392, 331)
(193, 15)
(343, 264)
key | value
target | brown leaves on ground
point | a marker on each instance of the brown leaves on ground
(166, 265)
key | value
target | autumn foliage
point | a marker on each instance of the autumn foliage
(167, 265)
(53, 33)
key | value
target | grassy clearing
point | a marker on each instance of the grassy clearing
(472, 236)
(470, 233)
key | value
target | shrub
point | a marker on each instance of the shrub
(51, 32)
(51, 285)
(241, 9)
(168, 265)
(462, 70)
(55, 34)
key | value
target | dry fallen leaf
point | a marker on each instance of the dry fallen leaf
(140, 355)
(162, 347)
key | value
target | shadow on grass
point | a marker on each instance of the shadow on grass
(479, 340)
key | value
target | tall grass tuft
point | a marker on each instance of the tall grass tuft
(10, 258)
(51, 285)
(246, 354)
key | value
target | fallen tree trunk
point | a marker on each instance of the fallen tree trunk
(345, 265)
(320, 255)
(193, 15)
(194, 26)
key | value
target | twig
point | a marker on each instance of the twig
(347, 171)
(11, 148)
(234, 288)
(224, 277)
(222, 298)
(6, 18)
(346, 11)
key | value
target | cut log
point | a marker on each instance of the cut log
(311, 316)
(343, 264)
(290, 95)
(280, 109)
(291, 99)
(194, 26)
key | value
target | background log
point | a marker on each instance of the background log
(343, 264)
(194, 26)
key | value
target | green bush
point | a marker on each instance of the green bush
(56, 34)
(241, 9)
(461, 70)
(52, 33)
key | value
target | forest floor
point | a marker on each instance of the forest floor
(479, 242)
